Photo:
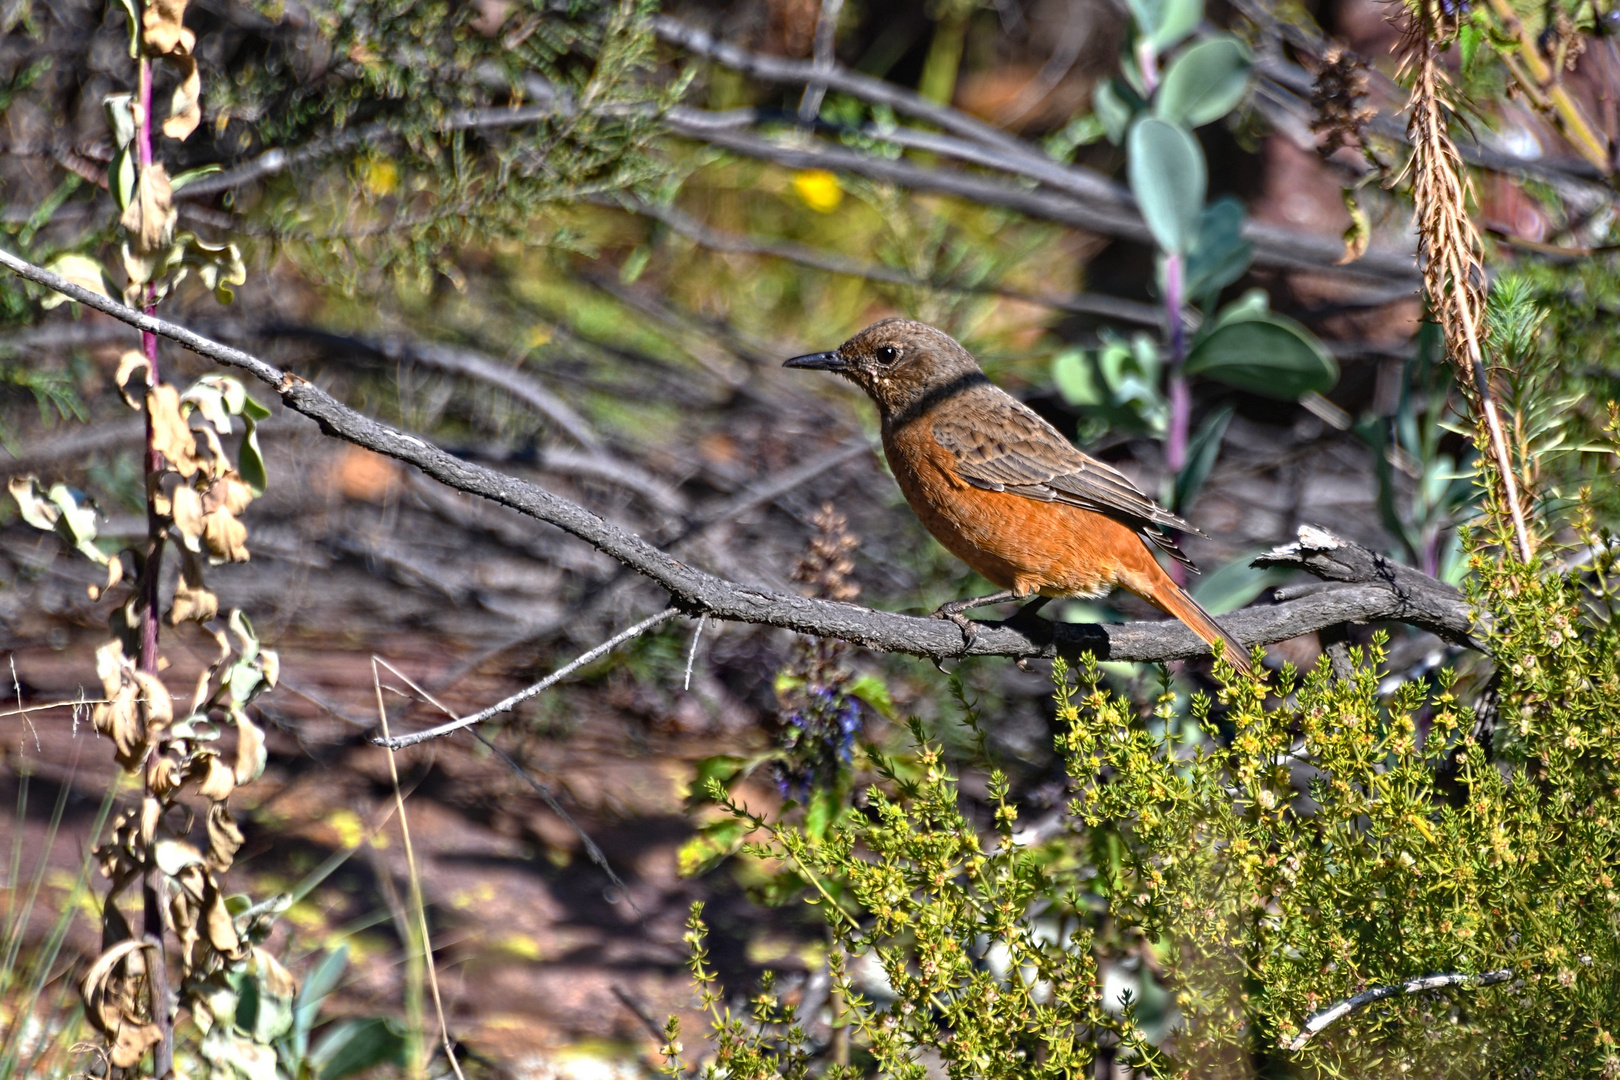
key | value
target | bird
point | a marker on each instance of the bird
(1004, 491)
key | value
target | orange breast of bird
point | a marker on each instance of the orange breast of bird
(1016, 542)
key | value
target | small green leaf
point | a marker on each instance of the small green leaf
(1204, 83)
(1071, 374)
(875, 692)
(713, 843)
(80, 270)
(243, 628)
(121, 177)
(78, 513)
(1253, 304)
(1219, 254)
(1469, 39)
(120, 109)
(1269, 356)
(1166, 22)
(319, 983)
(1235, 584)
(721, 768)
(1167, 175)
(252, 409)
(180, 180)
(134, 28)
(322, 980)
(250, 461)
(824, 808)
(244, 681)
(355, 1046)
(634, 264)
(1115, 106)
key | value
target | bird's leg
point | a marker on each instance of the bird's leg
(970, 629)
(1028, 611)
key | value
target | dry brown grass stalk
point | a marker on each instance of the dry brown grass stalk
(1450, 252)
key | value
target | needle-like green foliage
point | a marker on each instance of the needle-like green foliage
(1260, 858)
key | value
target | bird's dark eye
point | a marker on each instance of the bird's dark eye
(888, 354)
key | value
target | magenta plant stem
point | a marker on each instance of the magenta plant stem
(1175, 443)
(152, 887)
(154, 460)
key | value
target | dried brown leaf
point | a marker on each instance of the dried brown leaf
(225, 537)
(132, 361)
(157, 707)
(117, 1002)
(164, 776)
(224, 838)
(119, 718)
(184, 113)
(219, 926)
(171, 435)
(193, 602)
(151, 814)
(186, 507)
(150, 215)
(229, 491)
(162, 29)
(277, 979)
(218, 461)
(216, 782)
(250, 753)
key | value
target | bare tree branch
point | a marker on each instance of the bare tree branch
(777, 69)
(695, 592)
(1424, 601)
(1082, 199)
(823, 58)
(1322, 1020)
(1109, 307)
(1109, 214)
(505, 705)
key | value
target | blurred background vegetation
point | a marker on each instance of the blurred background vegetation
(574, 241)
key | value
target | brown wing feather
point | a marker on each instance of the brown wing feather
(1003, 445)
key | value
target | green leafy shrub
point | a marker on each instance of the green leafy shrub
(1251, 859)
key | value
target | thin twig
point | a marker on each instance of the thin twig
(823, 58)
(640, 1012)
(1274, 245)
(777, 69)
(1112, 307)
(1082, 198)
(543, 790)
(691, 654)
(508, 704)
(1543, 81)
(1321, 1020)
(416, 879)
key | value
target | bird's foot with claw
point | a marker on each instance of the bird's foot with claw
(970, 629)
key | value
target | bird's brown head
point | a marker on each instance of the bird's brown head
(899, 363)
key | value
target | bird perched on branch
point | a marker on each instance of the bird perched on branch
(1003, 490)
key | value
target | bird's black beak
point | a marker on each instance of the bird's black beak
(819, 361)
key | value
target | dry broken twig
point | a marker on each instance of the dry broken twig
(1320, 1021)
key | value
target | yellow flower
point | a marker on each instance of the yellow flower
(819, 189)
(379, 177)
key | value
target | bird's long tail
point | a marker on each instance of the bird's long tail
(1172, 599)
